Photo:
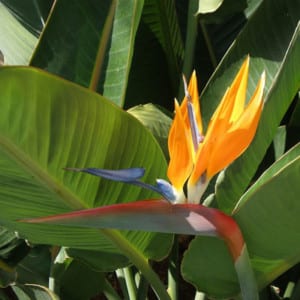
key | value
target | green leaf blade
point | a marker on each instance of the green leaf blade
(16, 42)
(48, 124)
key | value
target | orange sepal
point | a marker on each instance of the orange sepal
(180, 165)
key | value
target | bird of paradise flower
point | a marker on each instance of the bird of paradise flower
(195, 157)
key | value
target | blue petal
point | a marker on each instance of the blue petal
(123, 175)
(166, 189)
(196, 136)
(131, 176)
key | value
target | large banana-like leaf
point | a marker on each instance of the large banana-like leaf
(91, 43)
(273, 202)
(47, 124)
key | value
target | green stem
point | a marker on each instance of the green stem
(109, 291)
(131, 287)
(173, 270)
(246, 276)
(143, 286)
(139, 261)
(57, 259)
(122, 283)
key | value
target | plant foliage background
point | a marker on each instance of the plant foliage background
(91, 84)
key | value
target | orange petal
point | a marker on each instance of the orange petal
(233, 101)
(226, 141)
(236, 140)
(238, 90)
(254, 107)
(180, 165)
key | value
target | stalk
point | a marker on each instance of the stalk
(139, 261)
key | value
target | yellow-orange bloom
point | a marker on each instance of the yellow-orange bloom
(197, 158)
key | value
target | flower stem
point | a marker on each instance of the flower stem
(109, 291)
(246, 276)
(173, 270)
(143, 286)
(131, 287)
(139, 261)
(121, 279)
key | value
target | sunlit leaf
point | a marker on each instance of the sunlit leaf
(48, 124)
(16, 42)
(156, 121)
(208, 6)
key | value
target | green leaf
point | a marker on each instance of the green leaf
(7, 278)
(35, 267)
(79, 282)
(281, 163)
(12, 249)
(208, 6)
(221, 12)
(295, 117)
(273, 202)
(208, 265)
(156, 66)
(156, 121)
(31, 14)
(48, 124)
(116, 74)
(94, 46)
(33, 292)
(162, 20)
(221, 28)
(101, 260)
(16, 42)
(279, 57)
(279, 141)
(70, 40)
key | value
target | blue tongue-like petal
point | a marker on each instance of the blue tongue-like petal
(196, 135)
(131, 176)
(122, 175)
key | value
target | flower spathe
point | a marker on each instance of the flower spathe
(194, 157)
